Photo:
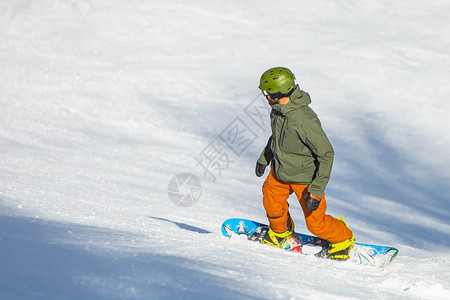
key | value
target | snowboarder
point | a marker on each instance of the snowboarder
(301, 158)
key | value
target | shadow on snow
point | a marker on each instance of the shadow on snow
(51, 260)
(382, 171)
(183, 226)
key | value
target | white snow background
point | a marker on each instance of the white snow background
(104, 102)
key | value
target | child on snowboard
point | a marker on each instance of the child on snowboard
(301, 158)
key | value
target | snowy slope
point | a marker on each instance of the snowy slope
(104, 102)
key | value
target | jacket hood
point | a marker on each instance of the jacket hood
(298, 99)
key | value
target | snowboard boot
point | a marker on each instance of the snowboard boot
(341, 251)
(285, 240)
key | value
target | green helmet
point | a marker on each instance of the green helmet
(277, 81)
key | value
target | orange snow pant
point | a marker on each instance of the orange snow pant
(276, 193)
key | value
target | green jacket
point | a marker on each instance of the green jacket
(298, 148)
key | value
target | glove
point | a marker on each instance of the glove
(312, 202)
(259, 170)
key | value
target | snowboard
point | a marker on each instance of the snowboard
(363, 254)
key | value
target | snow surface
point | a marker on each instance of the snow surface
(104, 102)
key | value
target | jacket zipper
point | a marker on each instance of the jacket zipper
(283, 132)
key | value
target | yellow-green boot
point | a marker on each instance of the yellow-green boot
(341, 251)
(285, 240)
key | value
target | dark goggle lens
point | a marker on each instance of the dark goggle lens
(274, 97)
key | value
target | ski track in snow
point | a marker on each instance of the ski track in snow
(103, 102)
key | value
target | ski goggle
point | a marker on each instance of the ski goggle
(275, 97)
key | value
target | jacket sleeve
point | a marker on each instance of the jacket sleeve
(266, 155)
(318, 143)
